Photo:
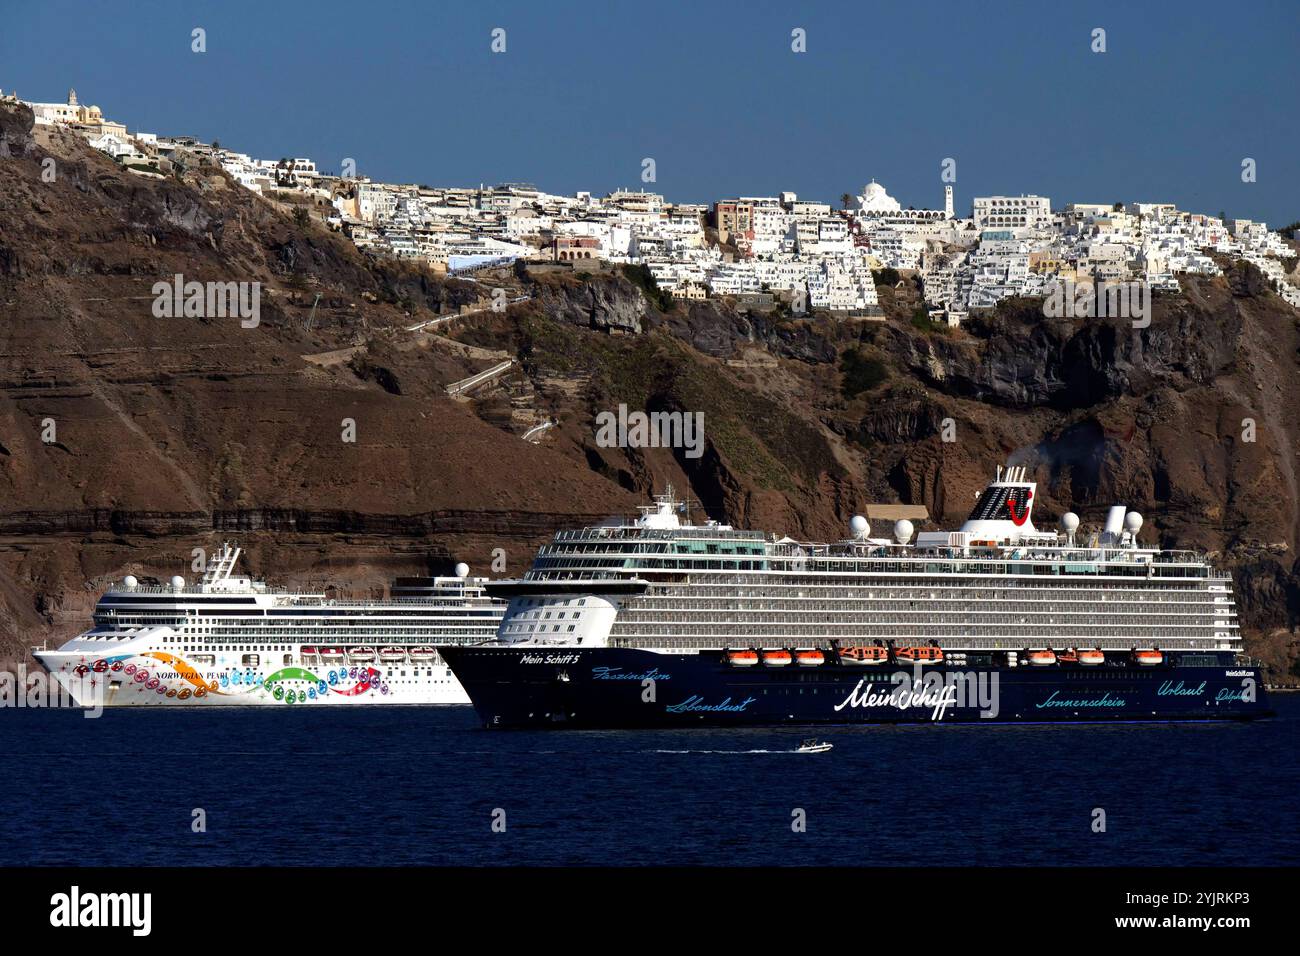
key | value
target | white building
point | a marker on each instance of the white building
(1013, 212)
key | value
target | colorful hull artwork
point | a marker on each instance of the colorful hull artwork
(158, 677)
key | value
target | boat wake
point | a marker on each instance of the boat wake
(721, 751)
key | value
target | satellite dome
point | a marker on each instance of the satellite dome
(178, 582)
(902, 530)
(859, 526)
(462, 570)
(129, 581)
(1132, 522)
(1070, 522)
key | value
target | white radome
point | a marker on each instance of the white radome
(859, 527)
(1132, 522)
(462, 570)
(903, 531)
(178, 582)
(1070, 522)
(129, 581)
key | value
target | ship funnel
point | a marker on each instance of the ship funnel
(1114, 524)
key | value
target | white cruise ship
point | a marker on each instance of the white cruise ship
(231, 640)
(657, 622)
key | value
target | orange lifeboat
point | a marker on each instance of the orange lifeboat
(863, 655)
(1148, 658)
(811, 658)
(1041, 658)
(1092, 658)
(1068, 657)
(777, 658)
(919, 655)
(742, 658)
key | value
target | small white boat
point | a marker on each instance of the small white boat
(813, 746)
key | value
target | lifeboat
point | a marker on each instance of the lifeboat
(1092, 658)
(1041, 658)
(331, 654)
(919, 655)
(392, 655)
(1068, 657)
(742, 658)
(777, 658)
(809, 658)
(863, 655)
(308, 654)
(423, 653)
(1148, 658)
(361, 655)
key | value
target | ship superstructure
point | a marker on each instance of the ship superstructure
(721, 603)
(227, 639)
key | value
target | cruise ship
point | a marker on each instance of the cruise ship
(227, 639)
(657, 622)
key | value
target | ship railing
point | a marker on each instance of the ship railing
(954, 643)
(191, 589)
(638, 533)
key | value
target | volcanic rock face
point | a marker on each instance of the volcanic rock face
(324, 442)
(614, 305)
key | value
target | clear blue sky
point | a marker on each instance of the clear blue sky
(711, 91)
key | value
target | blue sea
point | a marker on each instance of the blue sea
(394, 786)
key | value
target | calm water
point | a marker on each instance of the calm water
(371, 785)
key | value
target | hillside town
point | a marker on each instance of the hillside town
(769, 250)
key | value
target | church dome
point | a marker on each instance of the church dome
(875, 199)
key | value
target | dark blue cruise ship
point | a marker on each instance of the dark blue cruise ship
(659, 623)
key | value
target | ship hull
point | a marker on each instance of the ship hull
(631, 688)
(171, 680)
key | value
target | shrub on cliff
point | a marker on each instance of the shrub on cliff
(861, 373)
(887, 276)
(641, 276)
